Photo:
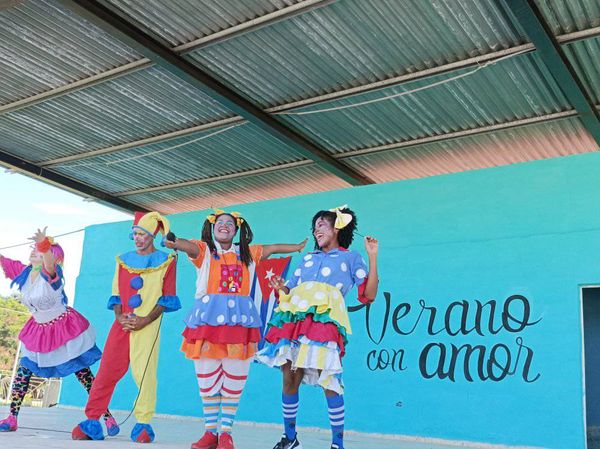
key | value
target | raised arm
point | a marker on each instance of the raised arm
(372, 247)
(11, 268)
(43, 246)
(282, 248)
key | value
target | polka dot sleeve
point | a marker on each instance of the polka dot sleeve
(294, 279)
(359, 269)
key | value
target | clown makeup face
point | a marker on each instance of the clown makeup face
(224, 229)
(144, 242)
(35, 258)
(325, 234)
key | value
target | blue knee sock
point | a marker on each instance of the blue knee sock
(290, 411)
(335, 406)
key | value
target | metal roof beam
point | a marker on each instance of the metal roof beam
(146, 141)
(363, 151)
(252, 25)
(76, 86)
(122, 30)
(532, 21)
(30, 169)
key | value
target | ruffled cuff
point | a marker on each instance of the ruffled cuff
(170, 303)
(361, 293)
(113, 301)
(43, 246)
(282, 296)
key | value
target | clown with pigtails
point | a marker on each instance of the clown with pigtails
(309, 330)
(223, 327)
(57, 340)
(143, 288)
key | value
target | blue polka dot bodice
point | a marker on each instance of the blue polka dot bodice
(340, 268)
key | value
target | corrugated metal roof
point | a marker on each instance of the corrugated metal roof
(556, 139)
(179, 22)
(138, 105)
(521, 89)
(567, 16)
(237, 150)
(585, 58)
(279, 184)
(341, 45)
(43, 46)
(354, 42)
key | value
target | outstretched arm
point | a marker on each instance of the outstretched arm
(188, 247)
(11, 268)
(282, 248)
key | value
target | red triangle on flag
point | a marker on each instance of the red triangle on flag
(268, 268)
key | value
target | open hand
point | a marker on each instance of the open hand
(302, 244)
(39, 236)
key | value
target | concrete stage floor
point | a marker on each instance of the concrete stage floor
(51, 428)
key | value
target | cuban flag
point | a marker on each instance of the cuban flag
(265, 298)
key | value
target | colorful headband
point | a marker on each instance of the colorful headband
(212, 218)
(342, 220)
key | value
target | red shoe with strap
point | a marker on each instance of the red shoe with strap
(208, 441)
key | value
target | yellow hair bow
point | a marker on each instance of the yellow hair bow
(238, 218)
(212, 218)
(342, 220)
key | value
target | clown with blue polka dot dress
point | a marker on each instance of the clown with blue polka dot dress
(223, 326)
(309, 330)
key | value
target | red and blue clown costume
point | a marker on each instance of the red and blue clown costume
(140, 283)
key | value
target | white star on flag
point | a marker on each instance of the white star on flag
(269, 274)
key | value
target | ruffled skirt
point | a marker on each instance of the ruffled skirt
(221, 326)
(59, 347)
(309, 329)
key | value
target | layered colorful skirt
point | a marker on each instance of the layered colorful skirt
(309, 328)
(222, 326)
(59, 347)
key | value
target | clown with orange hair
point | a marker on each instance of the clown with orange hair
(57, 340)
(143, 288)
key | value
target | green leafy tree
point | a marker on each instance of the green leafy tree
(13, 316)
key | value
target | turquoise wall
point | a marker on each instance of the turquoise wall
(531, 230)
